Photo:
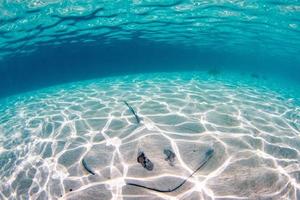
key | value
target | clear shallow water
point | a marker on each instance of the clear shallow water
(252, 126)
(225, 126)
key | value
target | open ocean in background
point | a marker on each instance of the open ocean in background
(149, 99)
(51, 42)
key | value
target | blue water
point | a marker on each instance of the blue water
(47, 43)
(148, 99)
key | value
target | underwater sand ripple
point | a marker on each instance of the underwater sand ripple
(80, 141)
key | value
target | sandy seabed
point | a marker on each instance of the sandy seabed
(81, 141)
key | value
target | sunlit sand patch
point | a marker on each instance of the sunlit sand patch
(81, 141)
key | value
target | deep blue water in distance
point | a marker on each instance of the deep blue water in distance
(43, 44)
(54, 65)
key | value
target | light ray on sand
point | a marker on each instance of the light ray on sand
(252, 128)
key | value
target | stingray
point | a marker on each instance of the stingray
(208, 154)
(144, 161)
(133, 112)
(170, 156)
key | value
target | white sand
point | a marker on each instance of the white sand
(253, 130)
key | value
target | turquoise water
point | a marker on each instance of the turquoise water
(52, 42)
(149, 99)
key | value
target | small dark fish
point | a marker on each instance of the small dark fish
(145, 162)
(170, 156)
(133, 112)
(86, 167)
(214, 71)
(255, 75)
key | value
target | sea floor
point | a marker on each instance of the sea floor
(191, 135)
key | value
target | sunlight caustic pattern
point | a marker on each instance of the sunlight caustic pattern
(53, 140)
